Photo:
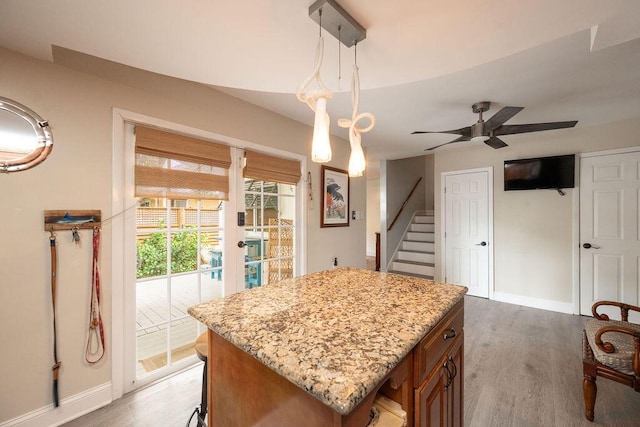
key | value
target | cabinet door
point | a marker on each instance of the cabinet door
(455, 402)
(431, 399)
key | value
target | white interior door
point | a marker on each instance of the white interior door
(467, 230)
(609, 231)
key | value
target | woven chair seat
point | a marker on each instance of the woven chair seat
(620, 360)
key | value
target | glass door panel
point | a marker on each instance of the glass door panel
(183, 330)
(211, 249)
(179, 264)
(151, 318)
(269, 232)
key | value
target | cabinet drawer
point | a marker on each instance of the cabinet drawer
(438, 341)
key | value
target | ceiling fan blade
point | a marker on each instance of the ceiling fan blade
(462, 131)
(495, 142)
(500, 117)
(460, 139)
(532, 127)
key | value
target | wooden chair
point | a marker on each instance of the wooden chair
(617, 358)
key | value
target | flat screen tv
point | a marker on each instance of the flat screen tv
(539, 173)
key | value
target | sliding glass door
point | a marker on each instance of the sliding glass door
(191, 250)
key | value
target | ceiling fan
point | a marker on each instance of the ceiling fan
(489, 131)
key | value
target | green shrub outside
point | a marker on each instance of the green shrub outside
(152, 253)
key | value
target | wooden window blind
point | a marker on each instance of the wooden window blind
(270, 168)
(180, 167)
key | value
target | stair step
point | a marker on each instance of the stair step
(410, 245)
(428, 264)
(424, 219)
(404, 273)
(422, 227)
(419, 236)
(414, 267)
(419, 256)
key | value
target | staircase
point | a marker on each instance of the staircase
(416, 254)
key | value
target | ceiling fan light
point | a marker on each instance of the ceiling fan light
(477, 130)
(320, 146)
(480, 138)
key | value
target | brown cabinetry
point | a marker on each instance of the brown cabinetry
(428, 384)
(439, 373)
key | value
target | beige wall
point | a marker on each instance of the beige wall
(533, 230)
(373, 214)
(78, 176)
(429, 187)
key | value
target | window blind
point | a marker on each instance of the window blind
(180, 167)
(270, 168)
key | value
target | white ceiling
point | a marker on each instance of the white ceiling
(422, 64)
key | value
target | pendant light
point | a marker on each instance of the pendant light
(357, 163)
(316, 99)
(337, 22)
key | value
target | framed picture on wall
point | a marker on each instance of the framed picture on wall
(335, 198)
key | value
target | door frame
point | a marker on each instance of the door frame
(577, 217)
(122, 191)
(443, 204)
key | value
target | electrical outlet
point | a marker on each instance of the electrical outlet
(334, 262)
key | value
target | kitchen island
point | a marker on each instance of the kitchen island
(315, 350)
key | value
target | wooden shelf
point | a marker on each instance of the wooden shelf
(52, 219)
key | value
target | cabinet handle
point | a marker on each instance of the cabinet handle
(449, 377)
(453, 334)
(455, 368)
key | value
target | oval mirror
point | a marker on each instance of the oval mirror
(25, 138)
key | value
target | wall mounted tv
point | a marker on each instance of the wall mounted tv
(538, 173)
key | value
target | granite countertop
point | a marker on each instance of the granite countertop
(336, 333)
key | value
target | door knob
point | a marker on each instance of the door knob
(589, 246)
(241, 244)
(481, 244)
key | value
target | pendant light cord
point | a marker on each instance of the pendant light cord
(310, 96)
(339, 56)
(355, 100)
(355, 139)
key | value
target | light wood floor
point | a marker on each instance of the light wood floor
(523, 367)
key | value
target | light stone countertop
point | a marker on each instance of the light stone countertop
(336, 333)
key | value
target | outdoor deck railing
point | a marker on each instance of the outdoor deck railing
(147, 217)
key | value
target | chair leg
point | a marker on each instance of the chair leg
(203, 399)
(590, 390)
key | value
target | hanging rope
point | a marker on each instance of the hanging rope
(57, 363)
(95, 341)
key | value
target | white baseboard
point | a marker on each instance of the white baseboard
(543, 304)
(70, 408)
